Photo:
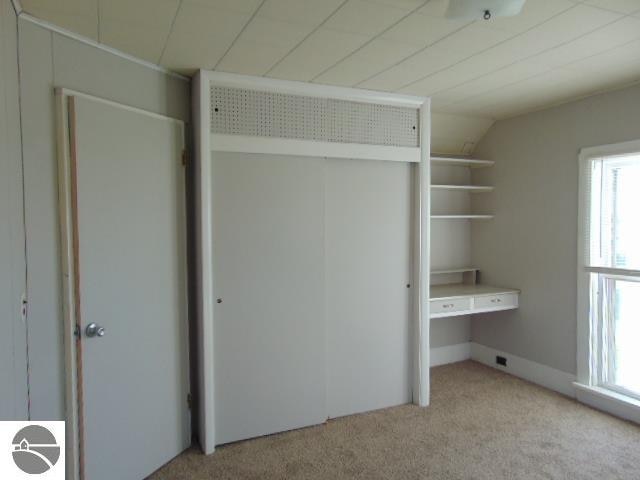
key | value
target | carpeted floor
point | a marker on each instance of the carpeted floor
(482, 424)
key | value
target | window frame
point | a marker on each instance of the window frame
(589, 348)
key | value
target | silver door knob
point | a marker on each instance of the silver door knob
(94, 330)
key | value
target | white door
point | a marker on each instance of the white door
(269, 327)
(131, 264)
(368, 268)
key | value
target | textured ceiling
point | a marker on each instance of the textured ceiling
(555, 51)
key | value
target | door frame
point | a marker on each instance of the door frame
(65, 118)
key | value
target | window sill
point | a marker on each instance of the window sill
(611, 402)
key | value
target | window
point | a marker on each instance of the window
(609, 269)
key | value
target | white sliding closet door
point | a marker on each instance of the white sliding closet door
(269, 317)
(368, 266)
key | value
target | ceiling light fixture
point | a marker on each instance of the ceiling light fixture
(483, 9)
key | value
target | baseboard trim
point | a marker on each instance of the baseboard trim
(542, 375)
(450, 354)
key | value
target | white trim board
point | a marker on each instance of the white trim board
(537, 373)
(68, 92)
(308, 89)
(450, 354)
(204, 265)
(311, 148)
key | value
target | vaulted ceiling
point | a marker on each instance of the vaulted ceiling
(554, 51)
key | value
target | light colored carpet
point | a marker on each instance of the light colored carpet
(482, 424)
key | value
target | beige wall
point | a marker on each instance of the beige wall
(13, 340)
(531, 244)
(49, 60)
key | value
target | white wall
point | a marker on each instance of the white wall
(49, 60)
(531, 243)
(13, 340)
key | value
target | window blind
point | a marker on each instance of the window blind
(612, 236)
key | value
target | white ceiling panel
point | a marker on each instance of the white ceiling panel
(533, 13)
(405, 4)
(617, 33)
(621, 6)
(79, 16)
(611, 61)
(544, 90)
(250, 58)
(310, 12)
(474, 38)
(413, 68)
(536, 87)
(499, 78)
(579, 88)
(462, 83)
(275, 32)
(366, 18)
(202, 32)
(435, 8)
(460, 48)
(484, 63)
(262, 43)
(567, 26)
(319, 51)
(365, 62)
(422, 30)
(506, 54)
(238, 6)
(130, 26)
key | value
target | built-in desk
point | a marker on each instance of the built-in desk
(464, 299)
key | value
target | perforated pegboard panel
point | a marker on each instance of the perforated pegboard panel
(264, 114)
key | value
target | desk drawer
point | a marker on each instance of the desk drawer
(502, 300)
(450, 305)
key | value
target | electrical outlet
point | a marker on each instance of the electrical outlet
(501, 360)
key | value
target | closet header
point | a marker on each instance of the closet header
(241, 111)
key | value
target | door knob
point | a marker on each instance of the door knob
(94, 330)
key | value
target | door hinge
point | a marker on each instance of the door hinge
(189, 401)
(183, 158)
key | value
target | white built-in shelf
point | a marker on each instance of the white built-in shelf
(466, 299)
(461, 162)
(453, 270)
(464, 188)
(461, 217)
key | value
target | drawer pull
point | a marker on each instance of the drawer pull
(447, 305)
(495, 300)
